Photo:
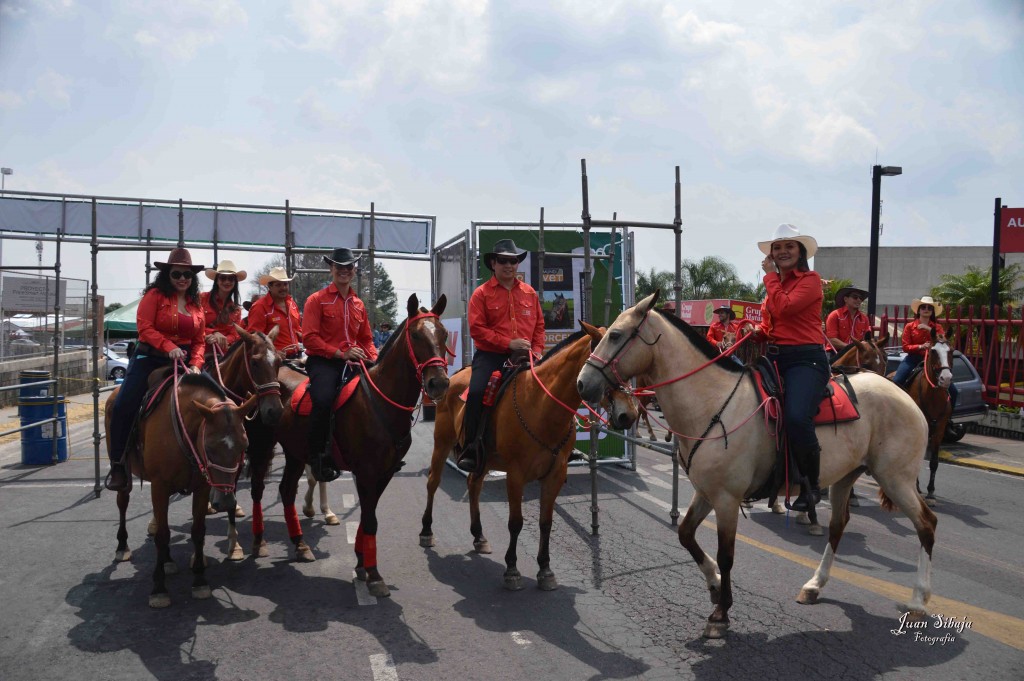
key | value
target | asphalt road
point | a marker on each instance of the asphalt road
(631, 603)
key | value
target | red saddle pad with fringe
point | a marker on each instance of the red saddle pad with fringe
(302, 404)
(834, 408)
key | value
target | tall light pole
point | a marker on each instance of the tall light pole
(4, 172)
(876, 208)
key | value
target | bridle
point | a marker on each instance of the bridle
(262, 389)
(420, 367)
(602, 365)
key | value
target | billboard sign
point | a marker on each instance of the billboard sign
(31, 295)
(1011, 230)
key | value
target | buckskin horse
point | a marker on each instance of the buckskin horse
(888, 440)
(371, 429)
(191, 441)
(929, 388)
(532, 433)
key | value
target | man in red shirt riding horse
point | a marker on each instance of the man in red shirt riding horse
(847, 323)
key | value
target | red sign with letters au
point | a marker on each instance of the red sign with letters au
(1011, 231)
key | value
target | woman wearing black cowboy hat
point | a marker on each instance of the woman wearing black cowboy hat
(504, 318)
(335, 330)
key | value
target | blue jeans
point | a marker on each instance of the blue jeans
(484, 364)
(129, 400)
(805, 373)
(905, 368)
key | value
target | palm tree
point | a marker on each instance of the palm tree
(709, 277)
(974, 285)
(648, 282)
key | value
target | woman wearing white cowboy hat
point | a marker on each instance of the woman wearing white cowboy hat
(791, 325)
(221, 304)
(918, 337)
(279, 309)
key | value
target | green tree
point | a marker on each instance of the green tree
(830, 287)
(384, 308)
(110, 308)
(710, 277)
(973, 287)
(648, 282)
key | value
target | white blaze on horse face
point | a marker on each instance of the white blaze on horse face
(945, 375)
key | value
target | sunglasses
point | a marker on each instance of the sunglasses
(179, 274)
(345, 268)
(225, 277)
(855, 296)
(507, 261)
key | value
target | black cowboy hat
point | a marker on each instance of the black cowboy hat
(180, 257)
(725, 308)
(503, 247)
(847, 290)
(341, 256)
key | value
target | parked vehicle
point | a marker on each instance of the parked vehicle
(117, 366)
(120, 347)
(969, 404)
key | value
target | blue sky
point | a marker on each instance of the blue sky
(472, 110)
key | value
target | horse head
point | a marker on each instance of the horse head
(623, 353)
(620, 404)
(427, 339)
(262, 362)
(222, 443)
(939, 357)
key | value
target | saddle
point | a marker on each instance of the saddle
(302, 403)
(517, 362)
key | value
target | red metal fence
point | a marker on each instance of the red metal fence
(994, 343)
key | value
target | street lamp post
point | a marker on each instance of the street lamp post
(876, 205)
(4, 172)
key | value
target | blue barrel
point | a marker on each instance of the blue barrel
(33, 376)
(37, 443)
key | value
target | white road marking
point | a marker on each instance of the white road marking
(383, 667)
(664, 505)
(350, 531)
(348, 500)
(518, 637)
(652, 479)
(363, 594)
(662, 467)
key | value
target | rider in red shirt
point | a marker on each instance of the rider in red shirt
(505, 320)
(918, 336)
(847, 323)
(278, 308)
(220, 306)
(726, 323)
(336, 330)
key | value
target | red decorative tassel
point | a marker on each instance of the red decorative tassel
(257, 518)
(291, 519)
(370, 551)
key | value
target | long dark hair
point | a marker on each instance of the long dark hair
(225, 311)
(802, 263)
(163, 284)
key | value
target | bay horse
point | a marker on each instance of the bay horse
(192, 440)
(867, 354)
(929, 389)
(371, 430)
(532, 435)
(557, 316)
(888, 440)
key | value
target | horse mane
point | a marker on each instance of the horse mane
(561, 344)
(206, 382)
(700, 342)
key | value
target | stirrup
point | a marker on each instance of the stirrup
(324, 469)
(118, 483)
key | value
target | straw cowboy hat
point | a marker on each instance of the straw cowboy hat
(341, 257)
(503, 247)
(275, 274)
(726, 308)
(226, 267)
(787, 232)
(847, 290)
(180, 257)
(926, 300)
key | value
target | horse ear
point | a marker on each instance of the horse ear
(883, 339)
(592, 331)
(440, 305)
(645, 305)
(203, 409)
(246, 336)
(273, 332)
(413, 306)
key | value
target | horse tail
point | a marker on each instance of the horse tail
(887, 503)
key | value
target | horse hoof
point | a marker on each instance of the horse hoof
(931, 501)
(378, 589)
(151, 528)
(546, 580)
(746, 504)
(331, 519)
(482, 546)
(715, 629)
(202, 592)
(159, 600)
(808, 596)
(802, 519)
(308, 511)
(170, 568)
(239, 513)
(513, 580)
(260, 550)
(854, 501)
(303, 554)
(236, 554)
(777, 508)
(427, 541)
(815, 530)
(123, 556)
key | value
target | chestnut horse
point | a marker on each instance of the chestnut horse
(867, 354)
(530, 438)
(192, 440)
(889, 439)
(930, 391)
(371, 430)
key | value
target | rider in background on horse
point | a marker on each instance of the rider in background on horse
(278, 308)
(171, 327)
(505, 320)
(791, 324)
(726, 323)
(847, 323)
(918, 337)
(221, 304)
(336, 330)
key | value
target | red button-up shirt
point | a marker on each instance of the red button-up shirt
(717, 332)
(331, 323)
(498, 315)
(845, 326)
(227, 329)
(915, 336)
(791, 314)
(264, 315)
(157, 323)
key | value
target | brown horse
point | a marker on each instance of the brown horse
(930, 390)
(371, 430)
(530, 438)
(192, 440)
(867, 354)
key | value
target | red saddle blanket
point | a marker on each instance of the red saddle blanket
(837, 407)
(302, 404)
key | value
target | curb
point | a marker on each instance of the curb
(983, 465)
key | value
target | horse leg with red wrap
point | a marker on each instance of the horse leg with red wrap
(366, 542)
(289, 488)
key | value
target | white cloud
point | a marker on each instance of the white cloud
(689, 29)
(181, 29)
(10, 100)
(52, 88)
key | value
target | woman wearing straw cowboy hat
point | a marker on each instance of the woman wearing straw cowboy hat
(726, 323)
(791, 324)
(171, 327)
(278, 308)
(221, 304)
(918, 337)
(847, 323)
(336, 330)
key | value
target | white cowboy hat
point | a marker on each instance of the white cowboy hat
(226, 267)
(275, 274)
(786, 232)
(926, 300)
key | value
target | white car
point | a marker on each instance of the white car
(117, 366)
(120, 347)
